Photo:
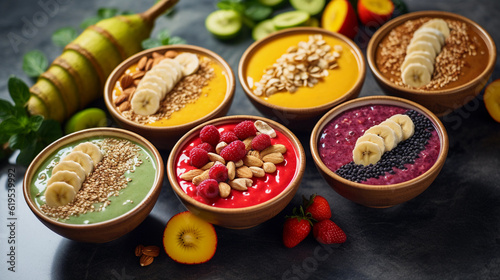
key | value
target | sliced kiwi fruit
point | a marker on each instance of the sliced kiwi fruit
(87, 118)
(291, 19)
(224, 24)
(313, 7)
(263, 28)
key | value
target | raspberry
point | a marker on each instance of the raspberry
(245, 129)
(198, 157)
(210, 134)
(228, 137)
(261, 141)
(209, 188)
(234, 151)
(218, 172)
(207, 147)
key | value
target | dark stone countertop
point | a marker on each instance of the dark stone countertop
(451, 231)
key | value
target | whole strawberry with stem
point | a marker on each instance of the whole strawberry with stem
(318, 206)
(296, 228)
(328, 232)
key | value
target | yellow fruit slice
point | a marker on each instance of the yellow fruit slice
(188, 239)
(492, 99)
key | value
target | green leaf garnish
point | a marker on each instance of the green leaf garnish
(163, 38)
(63, 36)
(19, 91)
(34, 63)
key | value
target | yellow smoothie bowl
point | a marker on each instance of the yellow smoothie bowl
(300, 105)
(194, 99)
(112, 200)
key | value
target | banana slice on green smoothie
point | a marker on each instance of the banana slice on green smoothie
(83, 159)
(59, 194)
(68, 177)
(90, 149)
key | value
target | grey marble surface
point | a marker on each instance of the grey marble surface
(451, 231)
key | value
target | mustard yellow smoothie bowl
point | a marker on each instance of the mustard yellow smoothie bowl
(296, 75)
(163, 92)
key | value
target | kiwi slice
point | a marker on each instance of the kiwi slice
(291, 19)
(87, 118)
(263, 28)
(224, 24)
(313, 7)
(188, 239)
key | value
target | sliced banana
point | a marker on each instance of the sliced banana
(395, 127)
(90, 149)
(366, 153)
(68, 177)
(427, 37)
(418, 57)
(189, 61)
(440, 25)
(81, 158)
(145, 102)
(151, 85)
(174, 64)
(406, 124)
(370, 137)
(167, 78)
(421, 46)
(59, 194)
(176, 73)
(70, 166)
(389, 136)
(432, 31)
(416, 75)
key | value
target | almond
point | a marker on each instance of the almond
(248, 143)
(142, 63)
(120, 99)
(254, 153)
(216, 157)
(263, 127)
(189, 176)
(221, 145)
(146, 260)
(257, 171)
(238, 184)
(138, 75)
(125, 106)
(157, 60)
(238, 163)
(224, 189)
(200, 178)
(275, 158)
(149, 64)
(152, 251)
(129, 91)
(157, 55)
(170, 54)
(138, 250)
(276, 148)
(244, 172)
(126, 81)
(231, 170)
(269, 167)
(207, 166)
(252, 161)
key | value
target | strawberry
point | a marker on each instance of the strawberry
(296, 228)
(327, 232)
(318, 207)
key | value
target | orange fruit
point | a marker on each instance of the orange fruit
(188, 239)
(492, 99)
(339, 16)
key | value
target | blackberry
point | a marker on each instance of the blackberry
(404, 153)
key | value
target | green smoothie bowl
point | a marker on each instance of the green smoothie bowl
(94, 185)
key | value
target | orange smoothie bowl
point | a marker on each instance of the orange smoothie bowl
(296, 75)
(109, 201)
(186, 100)
(460, 70)
(402, 172)
(252, 186)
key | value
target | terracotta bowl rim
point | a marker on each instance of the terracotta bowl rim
(382, 32)
(294, 184)
(79, 135)
(119, 70)
(386, 100)
(360, 58)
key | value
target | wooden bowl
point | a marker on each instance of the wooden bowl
(242, 217)
(164, 137)
(444, 100)
(299, 118)
(106, 230)
(379, 196)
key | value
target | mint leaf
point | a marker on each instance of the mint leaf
(19, 91)
(21, 141)
(63, 36)
(49, 131)
(150, 43)
(164, 34)
(257, 11)
(89, 21)
(34, 63)
(107, 12)
(11, 126)
(35, 122)
(176, 40)
(6, 109)
(28, 154)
